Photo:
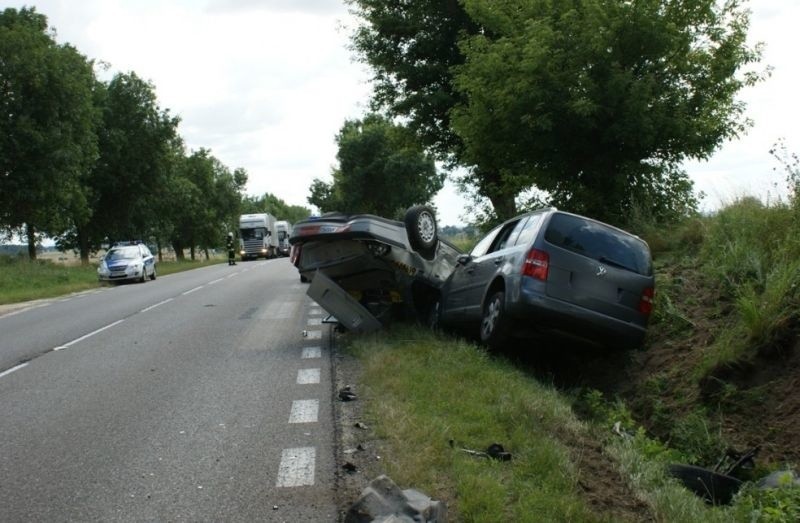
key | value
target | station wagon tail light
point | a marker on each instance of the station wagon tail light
(646, 302)
(537, 265)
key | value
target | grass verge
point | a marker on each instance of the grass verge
(426, 390)
(21, 280)
(423, 390)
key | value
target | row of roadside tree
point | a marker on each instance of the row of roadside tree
(87, 161)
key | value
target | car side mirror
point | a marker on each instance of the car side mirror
(463, 259)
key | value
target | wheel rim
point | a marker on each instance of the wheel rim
(426, 227)
(489, 321)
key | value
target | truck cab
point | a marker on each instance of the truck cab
(284, 230)
(257, 236)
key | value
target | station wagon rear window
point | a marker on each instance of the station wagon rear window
(600, 242)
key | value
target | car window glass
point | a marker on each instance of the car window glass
(483, 246)
(512, 238)
(502, 240)
(529, 230)
(123, 253)
(600, 242)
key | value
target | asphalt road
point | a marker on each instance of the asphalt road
(196, 397)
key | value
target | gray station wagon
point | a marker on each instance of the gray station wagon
(549, 272)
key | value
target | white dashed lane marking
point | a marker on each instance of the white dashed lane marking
(314, 321)
(307, 376)
(101, 329)
(297, 467)
(192, 290)
(313, 335)
(304, 411)
(12, 369)
(310, 353)
(156, 305)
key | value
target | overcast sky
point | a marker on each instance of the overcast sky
(266, 85)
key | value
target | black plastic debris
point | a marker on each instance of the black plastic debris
(360, 425)
(346, 394)
(716, 486)
(349, 467)
(713, 487)
(493, 451)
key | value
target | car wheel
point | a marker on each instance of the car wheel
(303, 279)
(420, 223)
(153, 276)
(494, 324)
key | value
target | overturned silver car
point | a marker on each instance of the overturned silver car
(373, 268)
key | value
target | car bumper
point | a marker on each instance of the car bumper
(121, 276)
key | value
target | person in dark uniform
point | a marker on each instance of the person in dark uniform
(231, 251)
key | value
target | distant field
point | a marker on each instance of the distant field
(55, 274)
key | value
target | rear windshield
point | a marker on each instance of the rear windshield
(600, 242)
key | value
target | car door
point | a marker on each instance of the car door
(148, 261)
(488, 266)
(461, 281)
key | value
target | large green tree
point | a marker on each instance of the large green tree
(595, 102)
(47, 127)
(206, 198)
(138, 142)
(411, 48)
(598, 101)
(382, 170)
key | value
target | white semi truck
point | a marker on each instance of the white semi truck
(284, 229)
(257, 236)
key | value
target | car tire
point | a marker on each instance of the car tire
(303, 279)
(494, 323)
(153, 275)
(420, 221)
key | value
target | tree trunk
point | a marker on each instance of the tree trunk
(30, 231)
(504, 206)
(83, 245)
(178, 248)
(191, 252)
(160, 255)
(205, 250)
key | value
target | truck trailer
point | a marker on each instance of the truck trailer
(284, 229)
(257, 236)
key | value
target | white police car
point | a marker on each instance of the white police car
(128, 261)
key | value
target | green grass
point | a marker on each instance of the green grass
(427, 390)
(21, 280)
(423, 390)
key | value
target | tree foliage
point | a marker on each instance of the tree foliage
(91, 162)
(412, 47)
(269, 203)
(47, 126)
(598, 101)
(595, 102)
(382, 170)
(137, 141)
